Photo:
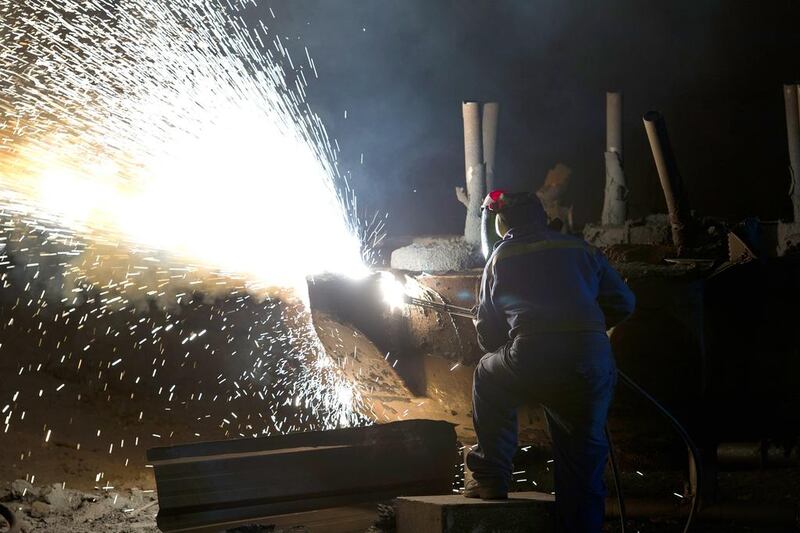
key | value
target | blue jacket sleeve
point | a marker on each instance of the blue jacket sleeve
(615, 298)
(490, 324)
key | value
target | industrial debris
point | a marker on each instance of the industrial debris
(57, 509)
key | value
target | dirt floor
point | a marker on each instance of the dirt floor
(52, 508)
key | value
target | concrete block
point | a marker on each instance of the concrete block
(523, 512)
(437, 254)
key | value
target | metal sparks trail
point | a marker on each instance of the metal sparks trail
(170, 125)
(158, 167)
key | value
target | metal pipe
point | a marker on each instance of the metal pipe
(615, 207)
(489, 126)
(792, 108)
(473, 145)
(473, 194)
(614, 122)
(670, 178)
(785, 515)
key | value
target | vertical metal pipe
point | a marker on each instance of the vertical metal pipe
(792, 107)
(614, 122)
(615, 207)
(489, 124)
(473, 146)
(669, 176)
(475, 172)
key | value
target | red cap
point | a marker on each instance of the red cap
(496, 200)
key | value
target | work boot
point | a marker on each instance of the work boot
(475, 489)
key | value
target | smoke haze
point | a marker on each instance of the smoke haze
(400, 68)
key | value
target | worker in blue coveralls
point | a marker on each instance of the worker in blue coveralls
(546, 302)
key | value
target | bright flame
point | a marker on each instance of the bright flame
(394, 293)
(189, 139)
(146, 146)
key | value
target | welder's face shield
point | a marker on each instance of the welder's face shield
(500, 226)
(490, 231)
(493, 228)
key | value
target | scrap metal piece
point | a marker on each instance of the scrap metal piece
(738, 250)
(210, 486)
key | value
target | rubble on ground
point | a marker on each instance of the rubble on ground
(56, 509)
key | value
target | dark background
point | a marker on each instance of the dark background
(401, 68)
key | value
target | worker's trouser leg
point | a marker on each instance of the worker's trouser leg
(580, 450)
(573, 377)
(495, 397)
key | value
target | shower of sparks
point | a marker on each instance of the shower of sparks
(171, 126)
(159, 170)
(393, 291)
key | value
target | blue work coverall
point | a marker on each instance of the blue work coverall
(546, 301)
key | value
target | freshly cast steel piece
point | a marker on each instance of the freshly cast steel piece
(210, 486)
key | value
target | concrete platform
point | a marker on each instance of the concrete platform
(523, 512)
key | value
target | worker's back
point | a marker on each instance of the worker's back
(539, 280)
